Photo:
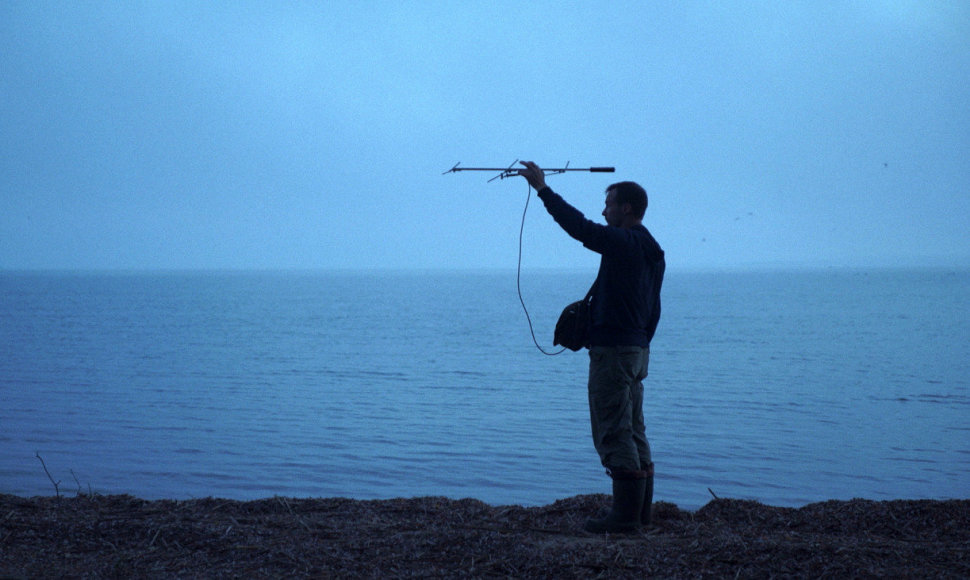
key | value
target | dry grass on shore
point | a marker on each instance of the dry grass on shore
(122, 536)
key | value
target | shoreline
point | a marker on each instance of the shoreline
(121, 535)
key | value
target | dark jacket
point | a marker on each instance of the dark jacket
(626, 295)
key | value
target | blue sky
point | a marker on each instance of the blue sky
(313, 135)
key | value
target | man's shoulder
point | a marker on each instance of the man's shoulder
(641, 232)
(647, 241)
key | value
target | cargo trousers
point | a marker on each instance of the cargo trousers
(616, 376)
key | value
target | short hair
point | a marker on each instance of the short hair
(632, 193)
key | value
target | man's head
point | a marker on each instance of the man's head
(626, 202)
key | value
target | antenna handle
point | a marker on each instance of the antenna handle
(602, 169)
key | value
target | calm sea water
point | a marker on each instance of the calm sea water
(784, 387)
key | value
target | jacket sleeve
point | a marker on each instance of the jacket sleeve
(594, 236)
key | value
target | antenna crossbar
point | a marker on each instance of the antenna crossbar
(512, 171)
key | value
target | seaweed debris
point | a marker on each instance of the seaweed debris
(435, 537)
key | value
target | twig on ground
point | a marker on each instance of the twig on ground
(78, 482)
(57, 484)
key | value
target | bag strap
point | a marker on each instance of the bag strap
(591, 288)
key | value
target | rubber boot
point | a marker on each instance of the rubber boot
(646, 511)
(624, 517)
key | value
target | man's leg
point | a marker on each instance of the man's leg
(639, 371)
(643, 445)
(613, 376)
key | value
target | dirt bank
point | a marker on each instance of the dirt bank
(123, 536)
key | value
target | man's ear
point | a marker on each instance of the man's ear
(627, 208)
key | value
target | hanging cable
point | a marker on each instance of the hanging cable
(518, 278)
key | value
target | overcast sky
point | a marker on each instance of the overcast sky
(313, 135)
